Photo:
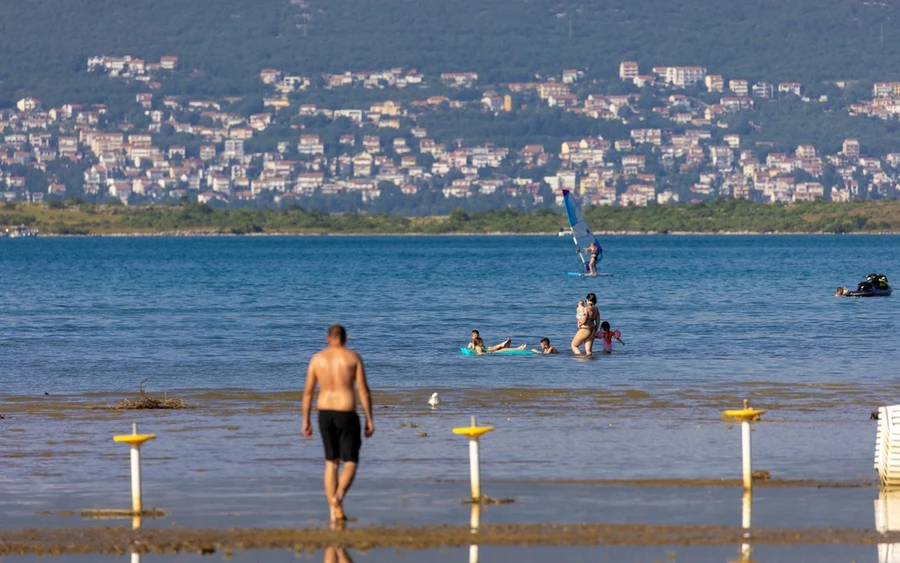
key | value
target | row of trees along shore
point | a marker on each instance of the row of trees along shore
(73, 217)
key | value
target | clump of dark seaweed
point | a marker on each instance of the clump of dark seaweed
(486, 500)
(148, 402)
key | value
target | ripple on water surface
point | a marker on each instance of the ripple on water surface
(103, 314)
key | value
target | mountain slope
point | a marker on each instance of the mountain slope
(44, 43)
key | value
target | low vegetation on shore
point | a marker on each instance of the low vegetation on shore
(717, 216)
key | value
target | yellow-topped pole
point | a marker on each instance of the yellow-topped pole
(746, 415)
(135, 440)
(474, 432)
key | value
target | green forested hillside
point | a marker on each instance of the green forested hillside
(44, 43)
(721, 215)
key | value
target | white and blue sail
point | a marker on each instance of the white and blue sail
(581, 233)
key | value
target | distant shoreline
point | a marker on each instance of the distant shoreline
(719, 217)
(186, 234)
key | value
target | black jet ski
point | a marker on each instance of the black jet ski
(875, 285)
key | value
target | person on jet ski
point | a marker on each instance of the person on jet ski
(878, 280)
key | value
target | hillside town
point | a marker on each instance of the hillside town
(214, 160)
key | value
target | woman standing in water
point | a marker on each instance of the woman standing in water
(588, 327)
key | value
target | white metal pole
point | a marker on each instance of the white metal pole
(135, 475)
(748, 465)
(475, 469)
(135, 479)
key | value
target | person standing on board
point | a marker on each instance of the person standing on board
(588, 328)
(338, 370)
(595, 256)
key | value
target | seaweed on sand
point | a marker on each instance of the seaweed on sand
(148, 402)
(486, 500)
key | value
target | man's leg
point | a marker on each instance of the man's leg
(348, 473)
(331, 484)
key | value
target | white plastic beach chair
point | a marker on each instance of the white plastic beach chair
(887, 446)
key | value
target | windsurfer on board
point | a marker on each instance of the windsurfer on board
(594, 248)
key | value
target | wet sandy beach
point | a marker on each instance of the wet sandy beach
(613, 467)
(820, 432)
(117, 541)
(499, 554)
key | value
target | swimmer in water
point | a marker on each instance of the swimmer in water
(546, 348)
(478, 345)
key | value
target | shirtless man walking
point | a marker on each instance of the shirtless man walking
(337, 370)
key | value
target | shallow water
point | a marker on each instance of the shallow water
(242, 463)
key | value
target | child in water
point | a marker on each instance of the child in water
(579, 312)
(545, 348)
(607, 336)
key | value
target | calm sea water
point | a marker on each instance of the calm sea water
(106, 313)
(706, 320)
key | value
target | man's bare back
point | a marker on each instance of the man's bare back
(336, 369)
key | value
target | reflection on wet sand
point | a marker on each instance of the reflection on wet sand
(746, 523)
(474, 524)
(335, 554)
(887, 519)
(136, 525)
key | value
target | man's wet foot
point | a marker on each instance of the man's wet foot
(337, 510)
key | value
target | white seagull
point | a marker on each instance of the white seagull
(434, 400)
